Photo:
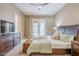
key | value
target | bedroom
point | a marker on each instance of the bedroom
(45, 29)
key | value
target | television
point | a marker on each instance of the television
(7, 27)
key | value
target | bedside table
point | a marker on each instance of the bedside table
(26, 45)
(75, 48)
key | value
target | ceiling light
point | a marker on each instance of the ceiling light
(39, 5)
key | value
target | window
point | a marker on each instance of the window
(42, 29)
(35, 28)
(38, 28)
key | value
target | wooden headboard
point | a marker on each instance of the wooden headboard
(70, 30)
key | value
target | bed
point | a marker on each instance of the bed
(48, 46)
(54, 47)
(39, 46)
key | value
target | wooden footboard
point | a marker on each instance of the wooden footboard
(40, 54)
(61, 51)
(56, 51)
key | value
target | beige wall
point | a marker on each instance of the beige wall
(28, 22)
(19, 24)
(8, 11)
(69, 15)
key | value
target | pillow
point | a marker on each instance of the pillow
(66, 38)
(43, 37)
(35, 37)
(49, 36)
(56, 35)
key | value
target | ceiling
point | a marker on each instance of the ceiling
(47, 10)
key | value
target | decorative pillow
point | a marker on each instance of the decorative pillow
(49, 36)
(66, 38)
(35, 37)
(43, 37)
(56, 35)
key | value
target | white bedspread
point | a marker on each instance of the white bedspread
(60, 44)
(45, 46)
(41, 45)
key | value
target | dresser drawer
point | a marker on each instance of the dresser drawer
(7, 42)
(6, 46)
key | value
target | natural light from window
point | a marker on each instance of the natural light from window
(38, 28)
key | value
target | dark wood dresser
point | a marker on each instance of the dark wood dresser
(8, 41)
(16, 39)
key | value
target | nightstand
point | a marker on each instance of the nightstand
(26, 45)
(75, 48)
